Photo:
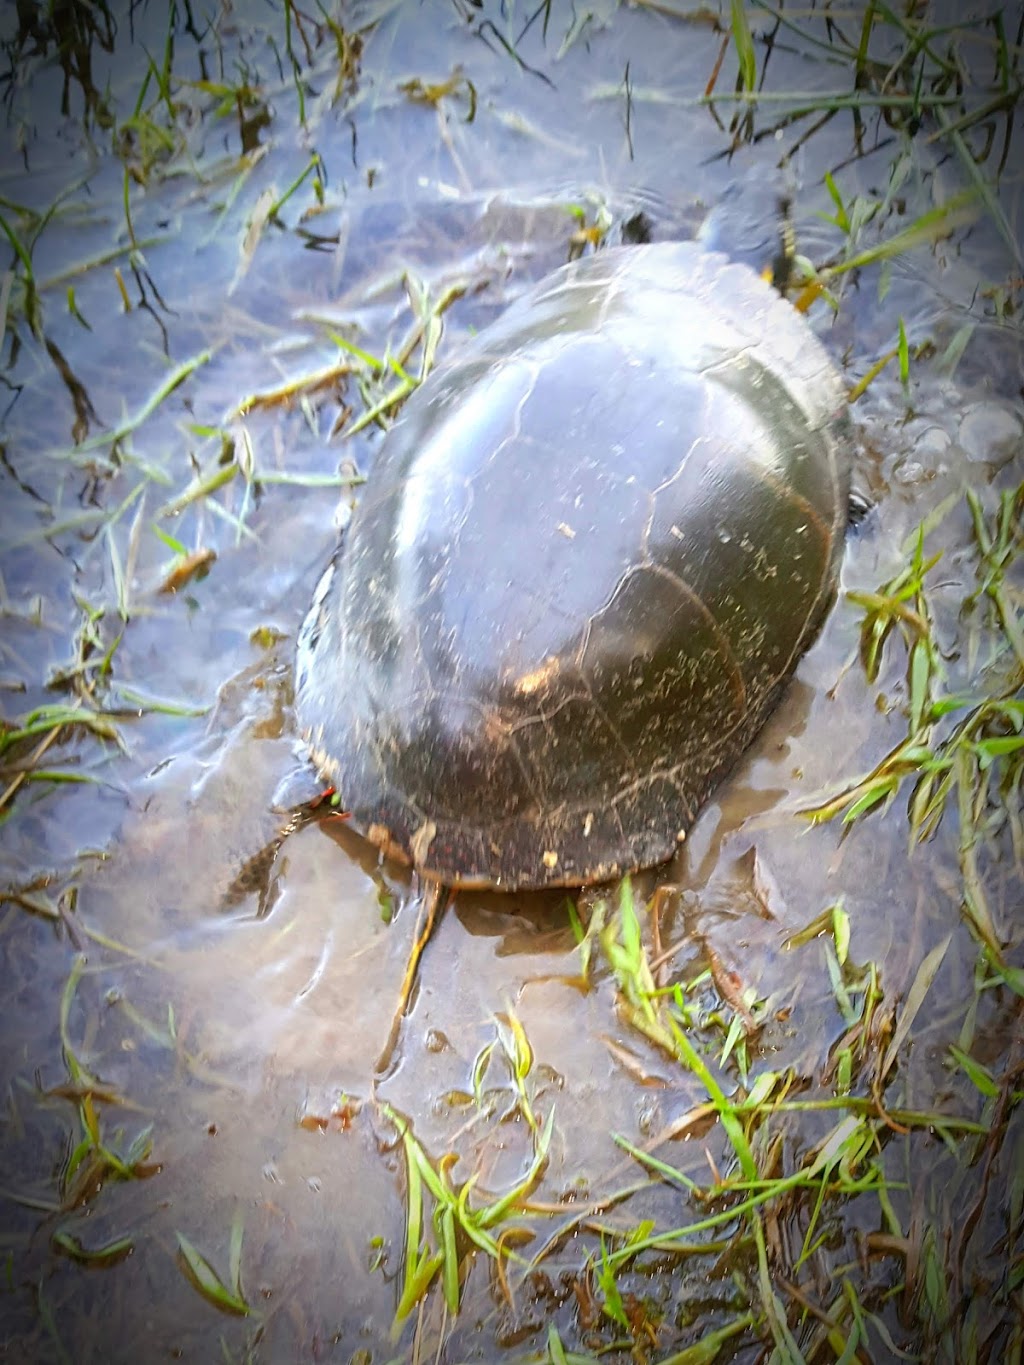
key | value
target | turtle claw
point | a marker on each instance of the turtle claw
(860, 507)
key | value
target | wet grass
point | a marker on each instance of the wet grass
(227, 1295)
(458, 1216)
(861, 1157)
(965, 745)
(905, 66)
(792, 1165)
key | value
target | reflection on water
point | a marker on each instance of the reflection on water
(222, 1047)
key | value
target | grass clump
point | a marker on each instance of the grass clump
(964, 747)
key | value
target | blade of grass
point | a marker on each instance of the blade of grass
(744, 44)
(203, 1276)
(926, 974)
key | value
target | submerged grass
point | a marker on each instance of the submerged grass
(456, 1220)
(909, 68)
(227, 1295)
(859, 1157)
(768, 1206)
(964, 747)
(855, 1159)
(93, 1160)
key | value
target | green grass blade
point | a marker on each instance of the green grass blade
(204, 1278)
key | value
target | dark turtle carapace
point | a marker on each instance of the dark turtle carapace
(587, 559)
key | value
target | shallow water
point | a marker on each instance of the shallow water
(242, 1021)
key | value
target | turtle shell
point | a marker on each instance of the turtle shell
(587, 559)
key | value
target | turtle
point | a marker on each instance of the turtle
(588, 557)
